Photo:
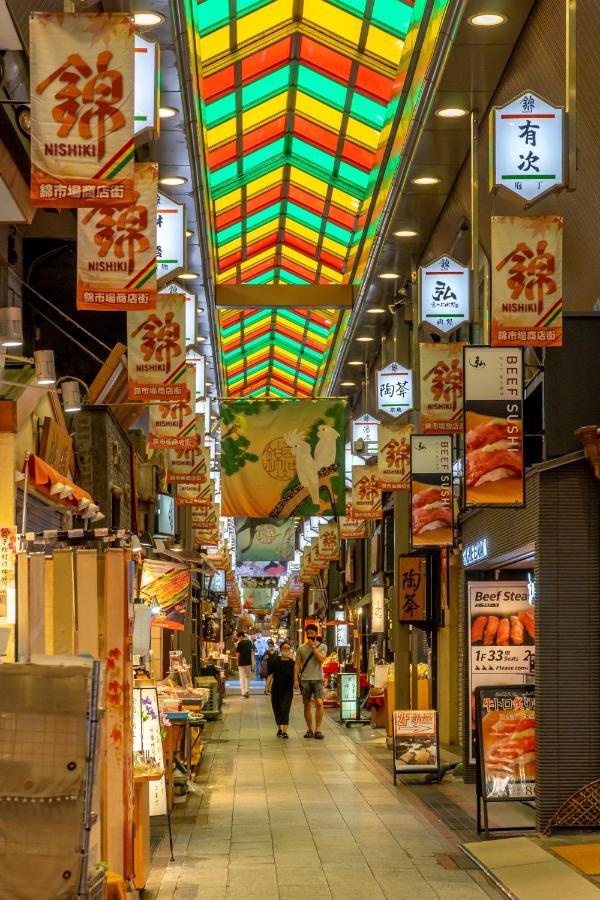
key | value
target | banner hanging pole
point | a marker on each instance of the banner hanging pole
(571, 90)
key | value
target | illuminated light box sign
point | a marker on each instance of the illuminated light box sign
(395, 390)
(445, 293)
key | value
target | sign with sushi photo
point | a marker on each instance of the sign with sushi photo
(501, 635)
(432, 519)
(506, 737)
(415, 740)
(493, 424)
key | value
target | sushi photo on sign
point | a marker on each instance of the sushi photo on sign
(506, 729)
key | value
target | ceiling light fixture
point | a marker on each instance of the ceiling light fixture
(487, 20)
(188, 276)
(376, 311)
(388, 275)
(451, 112)
(44, 366)
(147, 19)
(356, 362)
(347, 384)
(188, 232)
(71, 396)
(172, 180)
(405, 233)
(11, 326)
(364, 338)
(167, 112)
(423, 180)
(200, 338)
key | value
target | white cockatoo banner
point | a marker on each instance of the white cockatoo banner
(282, 458)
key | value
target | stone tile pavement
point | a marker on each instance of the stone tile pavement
(272, 820)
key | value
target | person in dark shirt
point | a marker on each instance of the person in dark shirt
(281, 685)
(244, 649)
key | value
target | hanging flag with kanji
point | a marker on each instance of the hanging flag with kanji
(205, 527)
(116, 250)
(366, 492)
(329, 541)
(351, 527)
(394, 456)
(189, 466)
(442, 388)
(82, 110)
(282, 458)
(173, 425)
(198, 496)
(156, 363)
(527, 281)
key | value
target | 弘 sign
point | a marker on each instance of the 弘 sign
(445, 292)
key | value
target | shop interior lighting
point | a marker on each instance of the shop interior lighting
(347, 384)
(364, 338)
(44, 366)
(172, 180)
(405, 233)
(487, 20)
(167, 112)
(424, 180)
(356, 362)
(11, 326)
(452, 112)
(189, 276)
(147, 19)
(71, 396)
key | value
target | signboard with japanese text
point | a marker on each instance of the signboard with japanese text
(442, 386)
(415, 739)
(395, 390)
(528, 147)
(146, 92)
(190, 311)
(432, 511)
(81, 76)
(394, 456)
(494, 468)
(366, 492)
(8, 592)
(189, 465)
(377, 609)
(365, 429)
(527, 281)
(205, 529)
(445, 294)
(170, 238)
(198, 361)
(199, 496)
(173, 425)
(156, 361)
(412, 589)
(348, 695)
(340, 629)
(501, 635)
(329, 541)
(351, 527)
(147, 741)
(506, 741)
(116, 250)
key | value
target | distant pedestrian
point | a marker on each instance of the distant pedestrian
(308, 675)
(244, 648)
(265, 665)
(280, 683)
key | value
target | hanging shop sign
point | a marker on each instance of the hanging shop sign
(415, 741)
(351, 527)
(329, 542)
(442, 388)
(81, 78)
(445, 294)
(506, 741)
(258, 539)
(366, 492)
(173, 425)
(8, 594)
(116, 250)
(205, 528)
(198, 496)
(348, 693)
(527, 281)
(156, 361)
(190, 312)
(145, 89)
(494, 468)
(261, 569)
(282, 458)
(377, 609)
(198, 361)
(340, 629)
(412, 589)
(475, 552)
(189, 465)
(528, 147)
(501, 635)
(394, 456)
(147, 741)
(432, 510)
(171, 243)
(365, 429)
(165, 587)
(395, 390)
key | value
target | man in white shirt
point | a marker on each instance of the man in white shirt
(308, 675)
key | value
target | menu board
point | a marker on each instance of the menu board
(147, 739)
(348, 695)
(506, 738)
(415, 740)
(501, 636)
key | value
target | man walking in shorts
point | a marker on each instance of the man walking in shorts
(308, 674)
(244, 649)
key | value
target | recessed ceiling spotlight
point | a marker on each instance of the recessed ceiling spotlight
(147, 19)
(167, 112)
(389, 275)
(200, 338)
(405, 233)
(364, 338)
(376, 311)
(347, 384)
(451, 112)
(188, 276)
(423, 180)
(172, 180)
(188, 232)
(487, 20)
(356, 362)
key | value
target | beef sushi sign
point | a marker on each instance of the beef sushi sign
(432, 520)
(501, 634)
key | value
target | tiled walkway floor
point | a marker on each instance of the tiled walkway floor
(297, 819)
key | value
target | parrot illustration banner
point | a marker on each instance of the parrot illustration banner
(394, 456)
(259, 539)
(282, 458)
(366, 492)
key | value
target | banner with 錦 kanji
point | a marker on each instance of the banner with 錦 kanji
(188, 466)
(81, 89)
(329, 541)
(116, 250)
(441, 391)
(173, 424)
(351, 527)
(156, 361)
(264, 539)
(366, 492)
(394, 456)
(282, 458)
(527, 281)
(205, 527)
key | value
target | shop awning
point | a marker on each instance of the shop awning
(48, 481)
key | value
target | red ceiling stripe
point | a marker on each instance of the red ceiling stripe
(316, 134)
(266, 60)
(325, 60)
(222, 155)
(298, 243)
(264, 199)
(296, 269)
(306, 199)
(258, 137)
(225, 262)
(222, 82)
(375, 85)
(257, 270)
(358, 156)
